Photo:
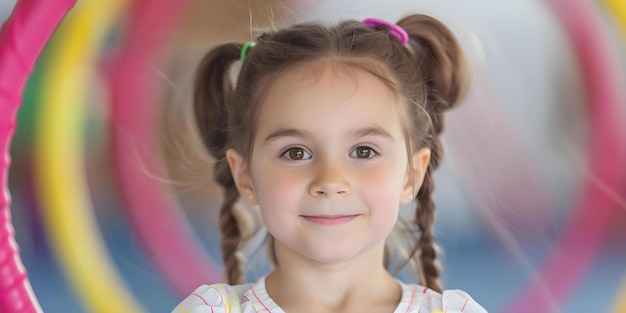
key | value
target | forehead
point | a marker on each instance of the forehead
(354, 69)
(327, 87)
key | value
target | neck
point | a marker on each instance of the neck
(299, 282)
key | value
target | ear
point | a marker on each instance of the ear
(241, 176)
(415, 175)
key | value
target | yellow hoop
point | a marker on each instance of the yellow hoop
(65, 203)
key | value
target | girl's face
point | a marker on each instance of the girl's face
(329, 164)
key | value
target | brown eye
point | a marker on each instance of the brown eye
(296, 154)
(363, 152)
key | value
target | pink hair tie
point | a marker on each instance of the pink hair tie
(394, 29)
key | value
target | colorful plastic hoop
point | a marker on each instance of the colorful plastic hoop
(65, 205)
(606, 171)
(22, 38)
(151, 207)
(617, 9)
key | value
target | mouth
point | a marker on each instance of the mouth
(329, 220)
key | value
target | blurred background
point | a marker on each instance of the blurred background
(106, 185)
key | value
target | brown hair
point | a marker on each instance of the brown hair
(428, 75)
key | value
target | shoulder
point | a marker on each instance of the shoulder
(217, 298)
(419, 299)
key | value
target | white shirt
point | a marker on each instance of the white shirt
(253, 298)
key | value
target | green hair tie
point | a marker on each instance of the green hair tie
(244, 50)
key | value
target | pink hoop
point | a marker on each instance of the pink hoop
(394, 29)
(22, 38)
(164, 232)
(572, 257)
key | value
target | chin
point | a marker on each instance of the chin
(335, 254)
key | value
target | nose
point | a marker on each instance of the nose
(330, 180)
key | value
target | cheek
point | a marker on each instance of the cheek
(277, 187)
(278, 195)
(381, 191)
(385, 181)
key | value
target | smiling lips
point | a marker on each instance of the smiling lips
(329, 220)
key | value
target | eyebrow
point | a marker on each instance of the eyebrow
(372, 131)
(357, 133)
(285, 132)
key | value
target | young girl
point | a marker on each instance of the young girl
(326, 132)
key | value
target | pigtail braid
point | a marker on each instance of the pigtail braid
(212, 98)
(440, 64)
(230, 236)
(424, 219)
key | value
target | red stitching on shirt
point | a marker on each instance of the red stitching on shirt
(412, 299)
(221, 296)
(261, 302)
(199, 296)
(464, 304)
